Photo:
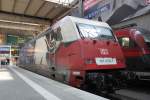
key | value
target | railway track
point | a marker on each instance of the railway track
(119, 97)
(133, 92)
(115, 96)
(130, 94)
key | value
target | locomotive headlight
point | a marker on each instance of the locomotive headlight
(76, 73)
(89, 61)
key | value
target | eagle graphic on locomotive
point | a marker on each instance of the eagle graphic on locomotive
(79, 52)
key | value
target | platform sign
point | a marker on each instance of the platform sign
(90, 3)
(147, 2)
(91, 8)
(21, 40)
(12, 40)
(96, 10)
(115, 11)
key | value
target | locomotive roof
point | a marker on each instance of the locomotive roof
(85, 21)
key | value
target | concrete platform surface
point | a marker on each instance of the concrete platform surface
(20, 84)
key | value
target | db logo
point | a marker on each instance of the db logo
(104, 51)
(147, 2)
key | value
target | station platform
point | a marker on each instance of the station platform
(19, 84)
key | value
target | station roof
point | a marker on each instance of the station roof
(45, 9)
(29, 16)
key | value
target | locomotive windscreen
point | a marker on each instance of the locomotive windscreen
(95, 32)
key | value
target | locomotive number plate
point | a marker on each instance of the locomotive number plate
(105, 61)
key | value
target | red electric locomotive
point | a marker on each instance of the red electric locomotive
(76, 51)
(135, 44)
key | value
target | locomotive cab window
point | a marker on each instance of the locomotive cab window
(127, 42)
(95, 32)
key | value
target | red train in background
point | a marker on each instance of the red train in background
(79, 52)
(135, 43)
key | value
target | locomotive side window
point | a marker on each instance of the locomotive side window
(127, 42)
(95, 32)
(124, 42)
